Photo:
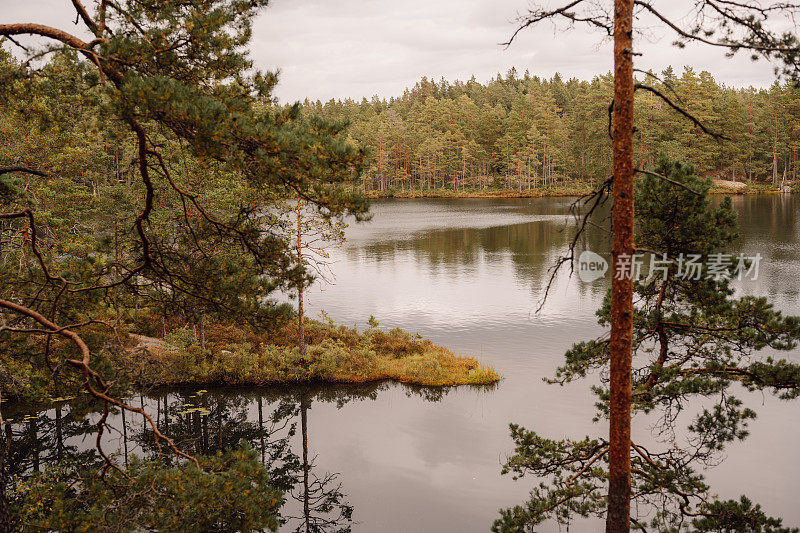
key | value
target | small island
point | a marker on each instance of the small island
(234, 355)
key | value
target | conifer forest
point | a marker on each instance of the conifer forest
(453, 266)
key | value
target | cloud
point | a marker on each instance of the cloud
(348, 48)
(360, 48)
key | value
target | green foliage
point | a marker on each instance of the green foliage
(181, 339)
(566, 495)
(230, 492)
(692, 339)
(143, 174)
(532, 135)
(372, 322)
(737, 517)
(154, 179)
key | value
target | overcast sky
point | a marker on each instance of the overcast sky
(360, 48)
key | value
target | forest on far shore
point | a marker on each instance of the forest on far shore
(525, 132)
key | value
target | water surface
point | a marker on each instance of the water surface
(468, 274)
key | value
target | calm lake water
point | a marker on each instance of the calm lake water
(469, 275)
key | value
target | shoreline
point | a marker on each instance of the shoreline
(556, 192)
(479, 193)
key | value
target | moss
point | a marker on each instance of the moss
(335, 354)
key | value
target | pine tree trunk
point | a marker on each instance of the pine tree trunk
(301, 322)
(619, 487)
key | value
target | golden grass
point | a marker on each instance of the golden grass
(335, 354)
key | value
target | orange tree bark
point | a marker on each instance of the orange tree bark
(619, 487)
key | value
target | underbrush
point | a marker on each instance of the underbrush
(334, 353)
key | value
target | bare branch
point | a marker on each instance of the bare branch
(87, 19)
(596, 198)
(538, 15)
(717, 136)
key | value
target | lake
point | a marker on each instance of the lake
(468, 274)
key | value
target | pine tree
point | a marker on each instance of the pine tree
(692, 338)
(194, 228)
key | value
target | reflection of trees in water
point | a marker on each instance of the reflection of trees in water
(532, 247)
(267, 421)
(324, 505)
(323, 502)
(204, 424)
(527, 243)
(767, 217)
(35, 441)
(768, 224)
(207, 423)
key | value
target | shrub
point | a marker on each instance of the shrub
(230, 492)
(333, 353)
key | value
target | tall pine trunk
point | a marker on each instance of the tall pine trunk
(619, 486)
(301, 321)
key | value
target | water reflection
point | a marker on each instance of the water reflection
(416, 263)
(39, 439)
(530, 239)
(769, 225)
(467, 274)
(273, 421)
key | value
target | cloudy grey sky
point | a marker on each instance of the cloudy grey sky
(360, 48)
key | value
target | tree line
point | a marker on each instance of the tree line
(526, 132)
(147, 166)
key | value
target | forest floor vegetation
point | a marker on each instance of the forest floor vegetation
(232, 355)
